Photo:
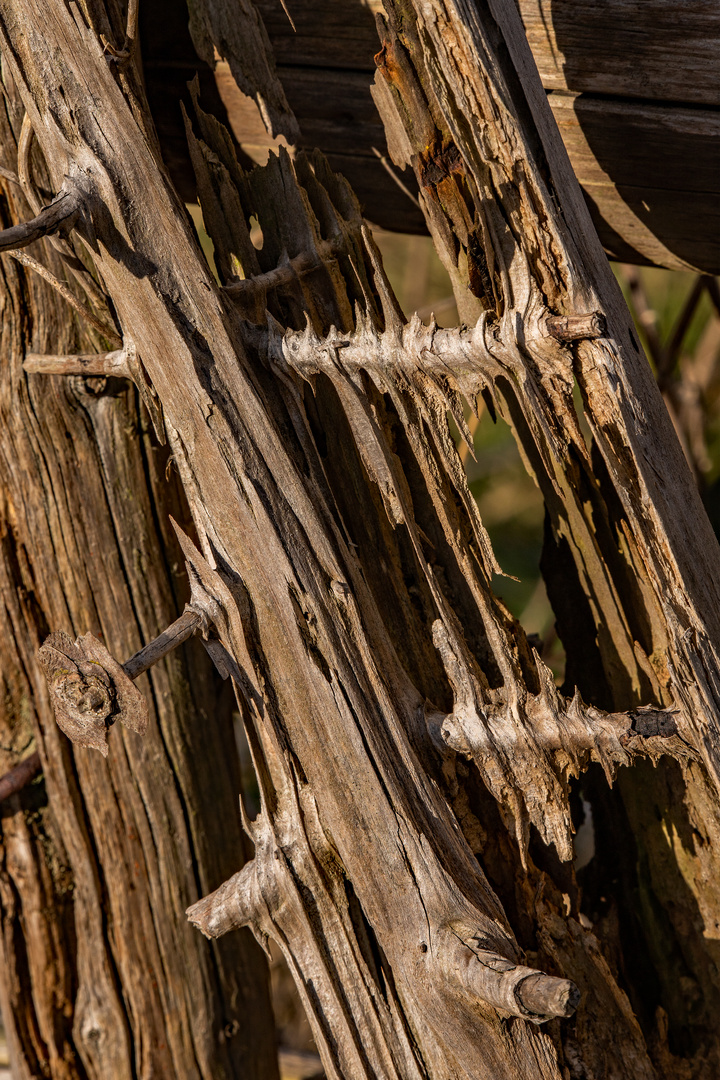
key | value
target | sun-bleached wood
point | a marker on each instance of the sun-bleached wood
(99, 977)
(343, 557)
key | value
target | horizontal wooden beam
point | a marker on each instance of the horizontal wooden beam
(632, 85)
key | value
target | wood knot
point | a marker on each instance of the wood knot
(89, 690)
(89, 699)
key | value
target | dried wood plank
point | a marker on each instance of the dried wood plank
(653, 50)
(402, 944)
(98, 978)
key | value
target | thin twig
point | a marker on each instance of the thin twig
(394, 176)
(8, 174)
(103, 327)
(16, 779)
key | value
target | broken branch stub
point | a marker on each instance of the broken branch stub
(585, 327)
(89, 690)
(178, 632)
(92, 364)
(238, 902)
(509, 987)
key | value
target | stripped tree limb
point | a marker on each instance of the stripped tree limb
(57, 215)
(16, 779)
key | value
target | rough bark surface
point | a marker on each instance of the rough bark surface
(427, 911)
(100, 976)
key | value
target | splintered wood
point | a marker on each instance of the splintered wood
(340, 556)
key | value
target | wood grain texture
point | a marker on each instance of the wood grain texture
(343, 564)
(99, 978)
(653, 50)
(446, 111)
(634, 70)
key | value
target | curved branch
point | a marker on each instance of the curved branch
(60, 211)
(104, 328)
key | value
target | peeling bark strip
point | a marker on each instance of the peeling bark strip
(343, 557)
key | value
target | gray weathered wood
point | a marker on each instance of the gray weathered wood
(346, 568)
(98, 978)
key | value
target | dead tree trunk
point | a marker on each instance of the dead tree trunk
(428, 913)
(100, 976)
